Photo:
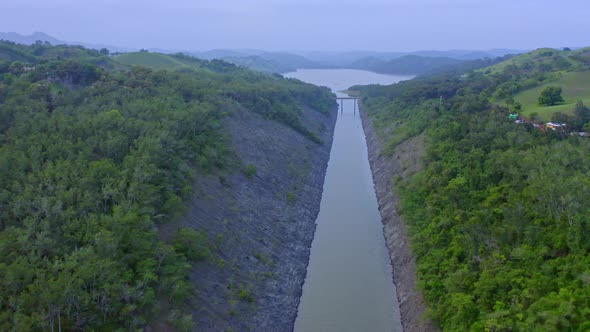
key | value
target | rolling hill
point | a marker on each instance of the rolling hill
(275, 62)
(267, 62)
(557, 59)
(261, 64)
(151, 60)
(405, 65)
(575, 86)
(528, 74)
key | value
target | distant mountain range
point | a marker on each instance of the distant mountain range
(271, 62)
(43, 37)
(417, 62)
(347, 58)
(29, 39)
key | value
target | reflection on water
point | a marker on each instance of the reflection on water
(349, 283)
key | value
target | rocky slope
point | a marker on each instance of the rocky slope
(404, 162)
(262, 225)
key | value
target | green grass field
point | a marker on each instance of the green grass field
(575, 85)
(151, 60)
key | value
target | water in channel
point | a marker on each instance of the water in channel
(349, 284)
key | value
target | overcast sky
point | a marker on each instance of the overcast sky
(380, 25)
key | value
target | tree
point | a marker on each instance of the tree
(551, 96)
(104, 51)
(581, 114)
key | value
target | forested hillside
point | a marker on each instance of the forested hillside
(405, 65)
(499, 214)
(95, 155)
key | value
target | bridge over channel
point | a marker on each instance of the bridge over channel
(341, 103)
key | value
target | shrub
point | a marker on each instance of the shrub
(246, 295)
(290, 197)
(180, 321)
(194, 245)
(250, 171)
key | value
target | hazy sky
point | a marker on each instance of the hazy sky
(383, 25)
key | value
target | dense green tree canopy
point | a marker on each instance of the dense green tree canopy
(93, 157)
(499, 216)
